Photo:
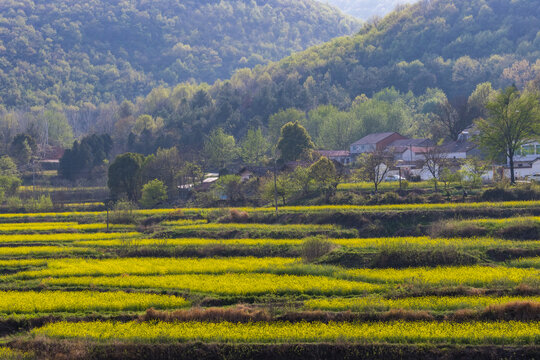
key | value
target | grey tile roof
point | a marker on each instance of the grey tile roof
(373, 138)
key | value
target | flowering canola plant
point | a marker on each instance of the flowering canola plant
(510, 332)
(24, 302)
(437, 303)
(226, 284)
(153, 266)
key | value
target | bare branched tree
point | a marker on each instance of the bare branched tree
(454, 117)
(434, 161)
(374, 167)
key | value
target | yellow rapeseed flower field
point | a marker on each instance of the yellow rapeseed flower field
(152, 266)
(286, 209)
(510, 332)
(56, 227)
(41, 250)
(454, 275)
(436, 303)
(26, 302)
(225, 284)
(526, 262)
(368, 243)
(65, 237)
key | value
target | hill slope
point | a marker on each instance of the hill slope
(451, 45)
(97, 50)
(365, 9)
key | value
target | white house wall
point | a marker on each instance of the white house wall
(529, 157)
(406, 156)
(456, 155)
(522, 173)
(365, 148)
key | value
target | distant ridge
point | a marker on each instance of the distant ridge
(366, 9)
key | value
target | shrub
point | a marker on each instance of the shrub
(517, 311)
(521, 230)
(9, 184)
(497, 194)
(43, 203)
(238, 216)
(450, 229)
(436, 198)
(390, 198)
(123, 213)
(402, 257)
(153, 193)
(14, 203)
(315, 247)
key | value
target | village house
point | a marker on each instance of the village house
(526, 161)
(374, 142)
(249, 172)
(409, 150)
(524, 169)
(463, 147)
(528, 152)
(341, 156)
(50, 157)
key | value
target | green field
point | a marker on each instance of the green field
(197, 277)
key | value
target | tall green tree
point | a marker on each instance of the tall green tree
(59, 131)
(9, 177)
(514, 120)
(190, 173)
(254, 147)
(164, 166)
(8, 166)
(339, 131)
(91, 152)
(294, 142)
(219, 149)
(125, 176)
(324, 173)
(276, 121)
(22, 148)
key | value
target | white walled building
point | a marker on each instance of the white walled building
(528, 152)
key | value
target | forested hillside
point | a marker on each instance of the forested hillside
(99, 50)
(365, 9)
(445, 44)
(434, 54)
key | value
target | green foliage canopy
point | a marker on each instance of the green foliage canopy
(125, 176)
(294, 142)
(100, 50)
(153, 193)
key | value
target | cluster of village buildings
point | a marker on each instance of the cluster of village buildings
(409, 154)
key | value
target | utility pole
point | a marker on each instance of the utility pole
(108, 202)
(275, 185)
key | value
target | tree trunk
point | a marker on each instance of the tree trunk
(512, 176)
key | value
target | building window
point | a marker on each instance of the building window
(528, 149)
(537, 149)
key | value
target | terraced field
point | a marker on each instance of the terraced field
(224, 284)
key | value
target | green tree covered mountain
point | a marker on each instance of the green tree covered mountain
(365, 9)
(433, 54)
(100, 50)
(446, 44)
